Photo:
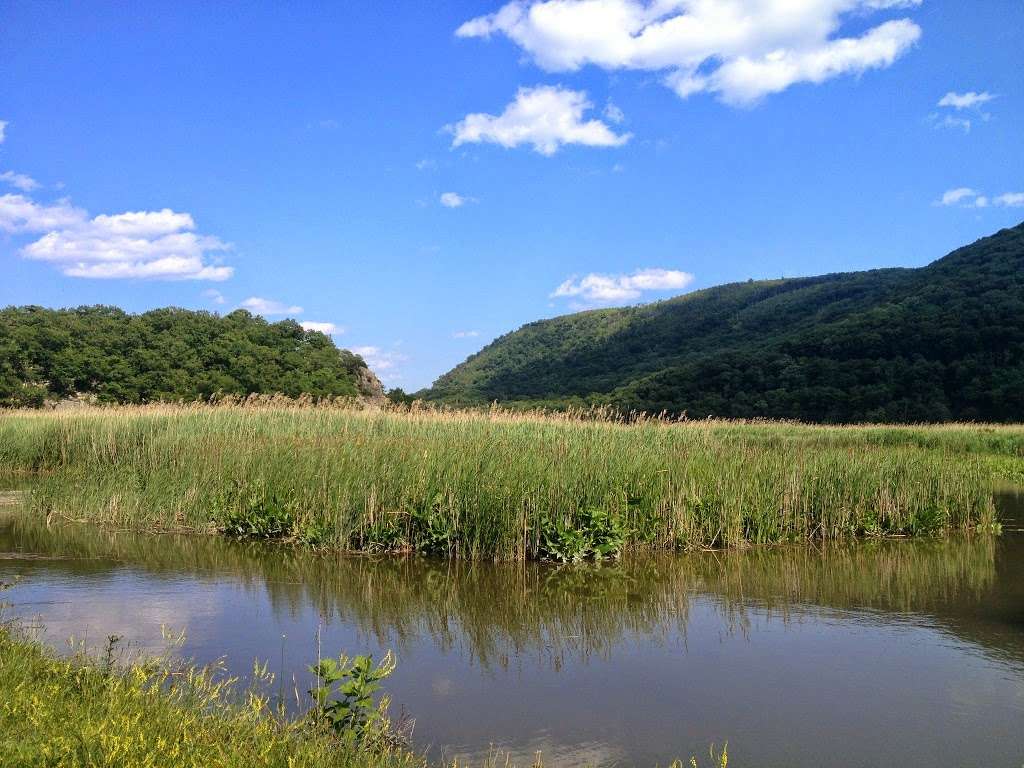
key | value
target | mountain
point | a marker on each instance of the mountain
(942, 342)
(112, 356)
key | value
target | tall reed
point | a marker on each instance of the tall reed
(497, 484)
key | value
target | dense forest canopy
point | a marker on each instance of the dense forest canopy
(943, 342)
(177, 354)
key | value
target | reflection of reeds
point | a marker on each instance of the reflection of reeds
(494, 611)
(483, 484)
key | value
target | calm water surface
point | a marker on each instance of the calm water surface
(905, 653)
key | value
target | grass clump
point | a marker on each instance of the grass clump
(502, 485)
(77, 711)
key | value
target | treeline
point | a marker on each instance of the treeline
(939, 343)
(166, 354)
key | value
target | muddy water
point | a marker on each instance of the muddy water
(905, 653)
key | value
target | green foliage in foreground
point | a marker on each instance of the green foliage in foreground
(73, 712)
(501, 485)
(940, 343)
(164, 354)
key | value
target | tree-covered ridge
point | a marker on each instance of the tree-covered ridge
(176, 354)
(937, 343)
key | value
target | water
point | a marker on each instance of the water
(905, 653)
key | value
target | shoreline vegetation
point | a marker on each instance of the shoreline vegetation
(500, 484)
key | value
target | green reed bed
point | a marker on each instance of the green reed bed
(495, 484)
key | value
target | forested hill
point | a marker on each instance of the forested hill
(942, 342)
(48, 354)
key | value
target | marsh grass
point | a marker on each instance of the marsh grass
(499, 484)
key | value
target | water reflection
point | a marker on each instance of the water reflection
(900, 651)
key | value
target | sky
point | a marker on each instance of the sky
(417, 179)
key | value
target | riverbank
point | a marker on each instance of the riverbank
(501, 485)
(78, 711)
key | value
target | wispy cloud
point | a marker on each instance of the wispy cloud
(1010, 199)
(545, 117)
(465, 334)
(3, 130)
(328, 328)
(740, 50)
(19, 181)
(603, 288)
(455, 200)
(969, 100)
(269, 307)
(214, 296)
(965, 197)
(383, 362)
(426, 164)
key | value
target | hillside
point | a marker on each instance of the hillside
(942, 342)
(113, 356)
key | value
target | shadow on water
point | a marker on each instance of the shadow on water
(639, 661)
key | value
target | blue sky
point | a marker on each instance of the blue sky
(428, 176)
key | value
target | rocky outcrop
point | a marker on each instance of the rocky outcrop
(368, 384)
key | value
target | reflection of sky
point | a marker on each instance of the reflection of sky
(812, 689)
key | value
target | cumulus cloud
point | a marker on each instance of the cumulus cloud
(966, 197)
(455, 200)
(139, 244)
(601, 288)
(269, 307)
(969, 100)
(737, 49)
(465, 334)
(19, 181)
(328, 328)
(19, 213)
(546, 117)
(215, 296)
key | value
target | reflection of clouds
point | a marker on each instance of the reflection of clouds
(128, 605)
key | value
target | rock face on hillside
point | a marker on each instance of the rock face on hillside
(939, 343)
(368, 384)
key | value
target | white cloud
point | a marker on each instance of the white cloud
(465, 334)
(613, 288)
(1011, 199)
(139, 244)
(954, 196)
(738, 49)
(136, 244)
(454, 200)
(268, 307)
(966, 197)
(426, 164)
(22, 214)
(968, 100)
(951, 121)
(215, 296)
(328, 328)
(3, 130)
(19, 181)
(545, 117)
